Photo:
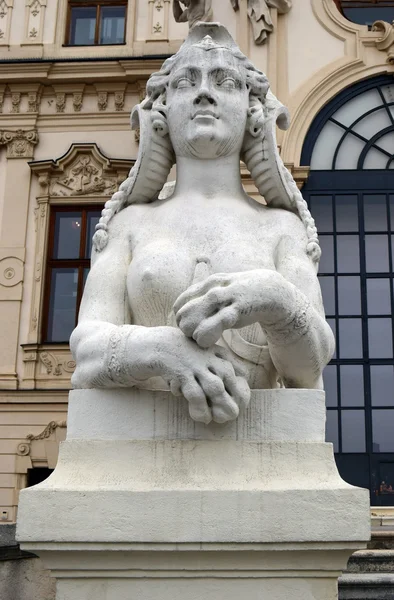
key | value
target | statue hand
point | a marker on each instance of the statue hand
(232, 300)
(211, 380)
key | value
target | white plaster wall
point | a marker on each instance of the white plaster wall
(310, 46)
(3, 163)
(113, 143)
(50, 21)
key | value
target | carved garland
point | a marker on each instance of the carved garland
(24, 448)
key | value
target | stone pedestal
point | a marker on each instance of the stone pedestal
(145, 504)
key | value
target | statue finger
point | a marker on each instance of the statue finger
(228, 356)
(223, 407)
(239, 390)
(198, 405)
(199, 289)
(209, 331)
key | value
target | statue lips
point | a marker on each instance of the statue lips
(204, 115)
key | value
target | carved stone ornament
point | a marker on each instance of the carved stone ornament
(60, 102)
(102, 100)
(260, 16)
(386, 42)
(24, 448)
(11, 271)
(192, 11)
(77, 101)
(82, 171)
(15, 102)
(203, 307)
(20, 143)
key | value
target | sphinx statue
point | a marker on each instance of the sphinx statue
(199, 289)
(194, 11)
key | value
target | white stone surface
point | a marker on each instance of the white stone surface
(272, 416)
(206, 293)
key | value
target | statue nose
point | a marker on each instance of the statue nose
(204, 98)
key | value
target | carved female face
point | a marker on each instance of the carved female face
(207, 104)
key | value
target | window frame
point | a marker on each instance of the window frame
(343, 4)
(51, 263)
(97, 4)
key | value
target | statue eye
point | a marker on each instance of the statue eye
(228, 83)
(184, 82)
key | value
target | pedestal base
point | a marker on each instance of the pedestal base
(254, 508)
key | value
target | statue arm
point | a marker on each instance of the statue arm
(180, 15)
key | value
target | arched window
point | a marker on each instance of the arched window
(350, 190)
(366, 12)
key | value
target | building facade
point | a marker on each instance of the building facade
(70, 73)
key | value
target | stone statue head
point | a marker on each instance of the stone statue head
(209, 101)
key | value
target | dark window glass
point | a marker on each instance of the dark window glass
(382, 385)
(367, 15)
(97, 23)
(112, 24)
(378, 296)
(380, 338)
(376, 253)
(346, 212)
(331, 385)
(353, 430)
(349, 296)
(67, 234)
(321, 209)
(70, 243)
(62, 305)
(332, 434)
(375, 212)
(382, 430)
(327, 285)
(352, 385)
(348, 254)
(350, 338)
(82, 26)
(327, 254)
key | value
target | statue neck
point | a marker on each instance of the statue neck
(209, 178)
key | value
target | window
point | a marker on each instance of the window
(366, 12)
(100, 22)
(70, 245)
(350, 147)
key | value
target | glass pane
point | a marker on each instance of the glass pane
(373, 123)
(388, 92)
(349, 152)
(67, 234)
(83, 26)
(62, 305)
(380, 338)
(382, 385)
(367, 15)
(375, 159)
(352, 385)
(325, 146)
(350, 338)
(382, 430)
(349, 112)
(391, 200)
(331, 323)
(348, 254)
(346, 210)
(375, 212)
(330, 385)
(327, 285)
(349, 296)
(332, 428)
(353, 431)
(378, 296)
(327, 254)
(112, 24)
(93, 218)
(321, 209)
(376, 254)
(387, 143)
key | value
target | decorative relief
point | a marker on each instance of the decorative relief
(24, 448)
(20, 143)
(77, 101)
(11, 271)
(102, 100)
(15, 101)
(260, 16)
(32, 102)
(34, 20)
(158, 19)
(6, 7)
(60, 102)
(119, 100)
(386, 42)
